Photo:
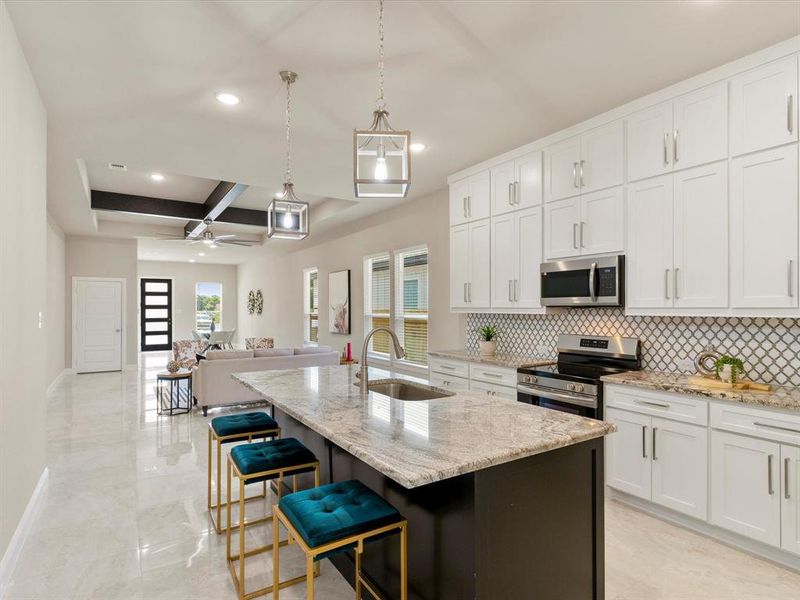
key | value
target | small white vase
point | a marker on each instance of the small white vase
(487, 348)
(726, 373)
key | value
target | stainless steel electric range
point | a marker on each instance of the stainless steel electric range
(573, 384)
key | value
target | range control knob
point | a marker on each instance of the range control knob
(578, 387)
(530, 379)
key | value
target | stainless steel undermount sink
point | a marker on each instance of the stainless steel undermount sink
(406, 390)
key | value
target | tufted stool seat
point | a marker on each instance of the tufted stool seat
(335, 518)
(259, 462)
(234, 428)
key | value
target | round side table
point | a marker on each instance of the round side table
(174, 392)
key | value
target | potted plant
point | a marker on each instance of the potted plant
(487, 343)
(729, 368)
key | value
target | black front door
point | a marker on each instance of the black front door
(156, 314)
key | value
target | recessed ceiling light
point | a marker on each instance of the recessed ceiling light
(417, 147)
(228, 99)
(156, 177)
(201, 254)
(191, 260)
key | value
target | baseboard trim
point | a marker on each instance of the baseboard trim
(57, 379)
(9, 560)
(723, 536)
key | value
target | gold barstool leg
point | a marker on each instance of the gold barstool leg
(218, 524)
(228, 514)
(309, 577)
(276, 546)
(358, 574)
(241, 539)
(404, 563)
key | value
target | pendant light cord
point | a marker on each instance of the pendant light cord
(380, 104)
(288, 177)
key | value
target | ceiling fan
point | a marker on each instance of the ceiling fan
(208, 238)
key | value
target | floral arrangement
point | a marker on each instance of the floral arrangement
(173, 366)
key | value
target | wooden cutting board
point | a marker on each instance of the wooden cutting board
(717, 384)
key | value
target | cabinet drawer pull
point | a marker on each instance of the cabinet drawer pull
(653, 452)
(651, 403)
(493, 375)
(786, 494)
(666, 151)
(789, 112)
(644, 441)
(675, 146)
(770, 488)
(448, 367)
(575, 174)
(778, 427)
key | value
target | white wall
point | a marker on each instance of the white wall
(23, 235)
(280, 276)
(104, 257)
(184, 278)
(55, 319)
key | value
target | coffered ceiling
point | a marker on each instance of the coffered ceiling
(135, 82)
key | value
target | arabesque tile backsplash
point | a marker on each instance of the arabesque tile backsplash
(770, 348)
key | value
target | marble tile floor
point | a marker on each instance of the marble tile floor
(124, 517)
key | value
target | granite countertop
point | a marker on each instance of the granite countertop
(513, 361)
(418, 442)
(782, 397)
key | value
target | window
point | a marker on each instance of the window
(311, 305)
(402, 276)
(208, 306)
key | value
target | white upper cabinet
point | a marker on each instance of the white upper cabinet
(503, 191)
(592, 161)
(470, 199)
(601, 163)
(700, 132)
(689, 131)
(529, 241)
(528, 180)
(649, 134)
(764, 107)
(504, 254)
(516, 256)
(561, 170)
(650, 239)
(561, 223)
(602, 221)
(764, 229)
(700, 275)
(480, 274)
(459, 265)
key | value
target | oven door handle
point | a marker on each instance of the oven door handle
(567, 398)
(592, 272)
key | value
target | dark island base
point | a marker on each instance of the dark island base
(528, 529)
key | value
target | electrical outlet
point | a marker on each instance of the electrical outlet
(687, 364)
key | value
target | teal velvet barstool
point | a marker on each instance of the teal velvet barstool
(335, 518)
(254, 463)
(235, 428)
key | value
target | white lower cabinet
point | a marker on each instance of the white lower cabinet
(458, 376)
(790, 498)
(745, 495)
(659, 460)
(449, 382)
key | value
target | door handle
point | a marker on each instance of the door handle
(786, 494)
(582, 226)
(575, 235)
(653, 451)
(582, 184)
(510, 194)
(666, 151)
(666, 284)
(789, 112)
(575, 174)
(675, 146)
(644, 441)
(770, 488)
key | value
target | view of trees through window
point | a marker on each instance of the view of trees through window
(208, 306)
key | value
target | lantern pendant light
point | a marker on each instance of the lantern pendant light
(381, 155)
(287, 216)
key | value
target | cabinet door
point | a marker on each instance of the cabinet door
(649, 142)
(478, 290)
(459, 193)
(700, 278)
(602, 157)
(649, 256)
(602, 224)
(529, 234)
(700, 132)
(628, 466)
(459, 265)
(561, 223)
(790, 498)
(764, 107)
(479, 200)
(502, 179)
(529, 180)
(680, 466)
(561, 163)
(745, 486)
(504, 260)
(764, 229)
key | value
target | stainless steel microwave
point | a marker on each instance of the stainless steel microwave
(584, 282)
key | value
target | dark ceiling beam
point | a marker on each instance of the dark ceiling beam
(173, 209)
(217, 202)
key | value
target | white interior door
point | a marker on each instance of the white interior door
(98, 326)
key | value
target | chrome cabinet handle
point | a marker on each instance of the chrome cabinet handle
(493, 375)
(465, 292)
(575, 174)
(583, 224)
(675, 146)
(789, 112)
(516, 290)
(651, 403)
(469, 292)
(592, 271)
(574, 235)
(509, 291)
(790, 278)
(653, 451)
(516, 192)
(666, 284)
(770, 488)
(666, 151)
(778, 427)
(464, 206)
(510, 192)
(582, 183)
(675, 283)
(448, 367)
(469, 205)
(644, 441)
(786, 462)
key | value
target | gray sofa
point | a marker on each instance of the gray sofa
(212, 384)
